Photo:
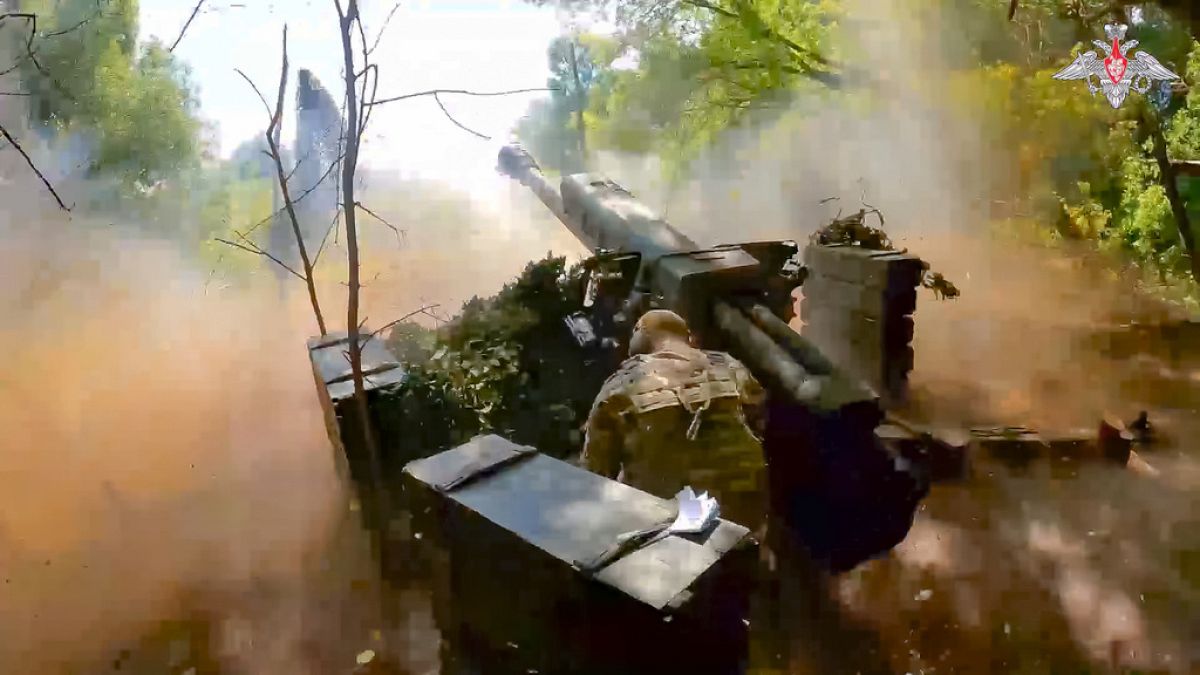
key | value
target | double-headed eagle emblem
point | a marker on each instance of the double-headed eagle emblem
(1115, 73)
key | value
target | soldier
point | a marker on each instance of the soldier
(673, 415)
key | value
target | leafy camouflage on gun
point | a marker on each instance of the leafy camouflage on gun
(853, 230)
(942, 289)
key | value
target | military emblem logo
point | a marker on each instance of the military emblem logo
(1116, 74)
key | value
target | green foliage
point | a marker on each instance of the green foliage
(136, 106)
(1183, 137)
(505, 364)
(1088, 219)
(421, 417)
(712, 71)
(550, 130)
(1130, 213)
(1083, 169)
(702, 67)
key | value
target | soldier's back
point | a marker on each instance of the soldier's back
(687, 425)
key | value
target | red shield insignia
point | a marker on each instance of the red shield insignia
(1116, 63)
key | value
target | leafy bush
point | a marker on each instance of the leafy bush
(505, 365)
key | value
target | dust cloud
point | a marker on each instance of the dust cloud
(162, 455)
(446, 247)
(1079, 569)
(1008, 349)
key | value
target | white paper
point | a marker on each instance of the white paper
(695, 512)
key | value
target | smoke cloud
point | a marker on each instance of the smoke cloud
(1076, 570)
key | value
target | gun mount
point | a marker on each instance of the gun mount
(733, 296)
(832, 482)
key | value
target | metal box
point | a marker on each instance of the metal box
(382, 374)
(689, 281)
(509, 535)
(330, 356)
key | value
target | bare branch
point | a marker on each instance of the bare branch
(341, 139)
(19, 62)
(703, 4)
(332, 224)
(29, 17)
(15, 93)
(420, 310)
(353, 136)
(98, 13)
(289, 205)
(31, 53)
(277, 116)
(1186, 168)
(308, 154)
(456, 122)
(312, 188)
(256, 91)
(249, 249)
(362, 36)
(252, 248)
(370, 72)
(212, 273)
(12, 141)
(462, 92)
(399, 241)
(383, 28)
(183, 31)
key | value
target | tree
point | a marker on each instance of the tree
(1111, 172)
(272, 138)
(704, 66)
(556, 130)
(85, 74)
(1088, 12)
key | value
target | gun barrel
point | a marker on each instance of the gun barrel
(611, 218)
(600, 213)
(802, 350)
(764, 355)
(520, 166)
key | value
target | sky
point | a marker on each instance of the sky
(482, 45)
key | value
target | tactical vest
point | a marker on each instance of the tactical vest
(685, 425)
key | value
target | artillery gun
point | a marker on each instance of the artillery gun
(833, 483)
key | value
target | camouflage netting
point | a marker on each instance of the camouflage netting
(853, 230)
(504, 365)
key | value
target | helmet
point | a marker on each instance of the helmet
(656, 327)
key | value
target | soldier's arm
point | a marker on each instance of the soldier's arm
(602, 445)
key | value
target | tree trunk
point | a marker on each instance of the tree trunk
(273, 134)
(580, 104)
(353, 120)
(1167, 175)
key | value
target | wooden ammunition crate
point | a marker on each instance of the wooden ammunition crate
(330, 356)
(511, 593)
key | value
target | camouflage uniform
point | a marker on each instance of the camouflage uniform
(683, 417)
